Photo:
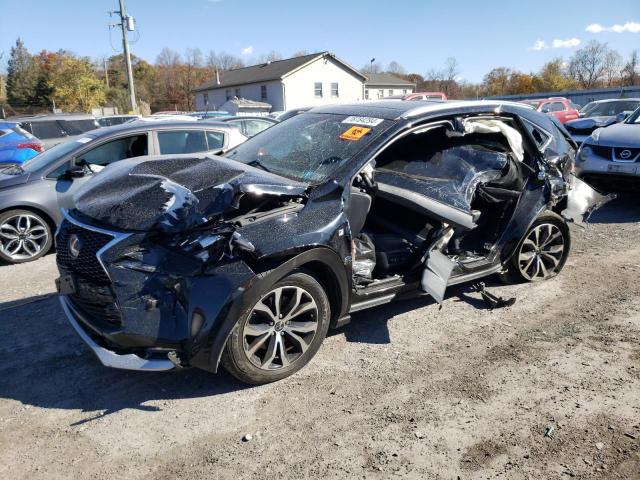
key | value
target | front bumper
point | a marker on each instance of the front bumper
(110, 358)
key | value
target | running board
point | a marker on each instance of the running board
(373, 302)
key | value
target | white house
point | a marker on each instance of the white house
(381, 85)
(306, 81)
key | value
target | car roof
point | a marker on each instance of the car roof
(247, 117)
(52, 116)
(7, 124)
(146, 126)
(396, 109)
(608, 100)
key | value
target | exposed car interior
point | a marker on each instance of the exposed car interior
(435, 187)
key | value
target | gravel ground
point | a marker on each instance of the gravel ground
(407, 390)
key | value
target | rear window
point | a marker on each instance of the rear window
(45, 130)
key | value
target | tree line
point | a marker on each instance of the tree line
(593, 66)
(72, 83)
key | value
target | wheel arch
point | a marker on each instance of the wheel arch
(321, 262)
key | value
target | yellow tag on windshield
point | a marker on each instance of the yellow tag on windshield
(355, 133)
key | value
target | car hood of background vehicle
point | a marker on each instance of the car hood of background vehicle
(590, 122)
(12, 180)
(174, 194)
(620, 135)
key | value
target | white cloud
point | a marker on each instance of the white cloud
(557, 43)
(632, 27)
(539, 45)
(247, 50)
(568, 43)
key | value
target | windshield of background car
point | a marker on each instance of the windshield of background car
(611, 109)
(310, 146)
(51, 155)
(77, 127)
(634, 117)
(533, 103)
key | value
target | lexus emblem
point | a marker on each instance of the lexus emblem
(74, 245)
(625, 154)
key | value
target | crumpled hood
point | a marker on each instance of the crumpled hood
(174, 194)
(590, 122)
(620, 135)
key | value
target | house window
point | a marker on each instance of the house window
(380, 93)
(334, 90)
(405, 91)
(366, 94)
(263, 92)
(205, 97)
(228, 94)
(390, 92)
(317, 89)
(238, 93)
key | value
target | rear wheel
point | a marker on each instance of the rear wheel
(24, 236)
(542, 252)
(280, 333)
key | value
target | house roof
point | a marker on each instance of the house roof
(269, 71)
(386, 79)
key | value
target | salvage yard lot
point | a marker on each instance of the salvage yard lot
(407, 389)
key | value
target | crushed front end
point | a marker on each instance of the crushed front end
(151, 261)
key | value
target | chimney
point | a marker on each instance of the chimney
(217, 77)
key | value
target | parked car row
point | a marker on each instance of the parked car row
(247, 259)
(32, 194)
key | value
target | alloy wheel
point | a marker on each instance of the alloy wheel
(280, 327)
(23, 236)
(541, 252)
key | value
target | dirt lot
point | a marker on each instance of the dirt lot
(405, 390)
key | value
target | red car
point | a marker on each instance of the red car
(561, 108)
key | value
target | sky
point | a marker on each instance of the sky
(420, 35)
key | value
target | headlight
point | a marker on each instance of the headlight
(595, 135)
(584, 153)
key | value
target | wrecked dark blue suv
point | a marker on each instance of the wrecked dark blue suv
(248, 259)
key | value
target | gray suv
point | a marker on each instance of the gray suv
(31, 195)
(609, 159)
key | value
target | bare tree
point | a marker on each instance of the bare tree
(223, 61)
(395, 68)
(588, 64)
(373, 67)
(630, 71)
(300, 53)
(168, 58)
(612, 67)
(272, 56)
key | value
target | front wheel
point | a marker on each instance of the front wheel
(280, 333)
(542, 252)
(24, 236)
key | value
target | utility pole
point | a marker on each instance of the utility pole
(106, 72)
(126, 23)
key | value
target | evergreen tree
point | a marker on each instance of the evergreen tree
(22, 76)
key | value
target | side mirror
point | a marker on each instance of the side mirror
(545, 110)
(76, 171)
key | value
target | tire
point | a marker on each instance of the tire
(24, 236)
(542, 252)
(265, 347)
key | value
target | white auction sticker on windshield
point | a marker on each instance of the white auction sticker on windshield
(368, 121)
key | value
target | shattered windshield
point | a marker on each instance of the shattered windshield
(310, 146)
